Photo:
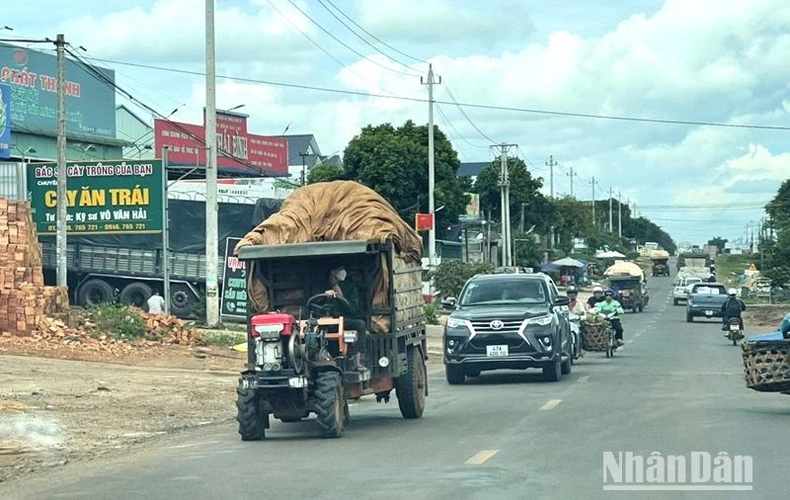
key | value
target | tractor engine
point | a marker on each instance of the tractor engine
(271, 334)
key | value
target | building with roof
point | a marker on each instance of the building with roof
(304, 154)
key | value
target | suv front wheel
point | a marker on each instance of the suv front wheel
(455, 374)
(553, 371)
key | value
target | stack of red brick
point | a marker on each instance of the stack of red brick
(24, 300)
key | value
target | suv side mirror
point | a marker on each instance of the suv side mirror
(449, 303)
(562, 300)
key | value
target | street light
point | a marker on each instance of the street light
(89, 147)
(9, 28)
(236, 107)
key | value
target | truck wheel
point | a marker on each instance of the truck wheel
(252, 421)
(410, 387)
(566, 366)
(330, 404)
(135, 294)
(182, 300)
(674, 302)
(689, 318)
(552, 372)
(455, 375)
(94, 292)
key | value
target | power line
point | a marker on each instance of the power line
(320, 47)
(362, 38)
(106, 81)
(341, 42)
(450, 93)
(462, 104)
(451, 126)
(374, 36)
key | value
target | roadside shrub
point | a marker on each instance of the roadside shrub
(451, 275)
(117, 320)
(431, 312)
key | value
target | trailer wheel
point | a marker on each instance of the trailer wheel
(330, 404)
(135, 294)
(410, 387)
(94, 292)
(182, 300)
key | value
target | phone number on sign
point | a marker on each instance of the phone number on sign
(85, 228)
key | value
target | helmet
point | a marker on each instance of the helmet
(785, 326)
(609, 291)
(598, 289)
(573, 289)
(732, 292)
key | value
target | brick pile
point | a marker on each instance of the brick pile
(24, 300)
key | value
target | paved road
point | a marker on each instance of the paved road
(674, 388)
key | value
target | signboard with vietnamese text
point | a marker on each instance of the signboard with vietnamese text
(234, 283)
(239, 152)
(32, 77)
(121, 197)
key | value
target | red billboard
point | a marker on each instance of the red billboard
(239, 152)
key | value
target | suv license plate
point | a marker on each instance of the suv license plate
(708, 313)
(497, 351)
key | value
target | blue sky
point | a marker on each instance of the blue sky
(679, 60)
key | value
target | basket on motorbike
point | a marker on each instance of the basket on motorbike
(767, 365)
(597, 334)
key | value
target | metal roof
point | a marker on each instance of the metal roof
(312, 249)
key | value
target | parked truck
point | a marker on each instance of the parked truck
(128, 267)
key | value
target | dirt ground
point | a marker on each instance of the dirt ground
(766, 317)
(53, 411)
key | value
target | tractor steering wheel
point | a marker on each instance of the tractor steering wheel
(324, 306)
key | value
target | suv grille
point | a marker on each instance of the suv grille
(480, 342)
(508, 326)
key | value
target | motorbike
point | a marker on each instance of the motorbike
(576, 334)
(734, 330)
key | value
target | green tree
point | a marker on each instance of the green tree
(524, 191)
(776, 244)
(718, 242)
(394, 162)
(325, 173)
(574, 220)
(643, 229)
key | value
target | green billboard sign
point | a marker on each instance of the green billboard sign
(102, 196)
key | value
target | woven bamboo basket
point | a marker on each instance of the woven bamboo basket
(767, 365)
(595, 336)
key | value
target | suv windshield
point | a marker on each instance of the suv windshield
(503, 292)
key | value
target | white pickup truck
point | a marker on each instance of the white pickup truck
(680, 291)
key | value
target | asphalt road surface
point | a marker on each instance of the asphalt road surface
(674, 388)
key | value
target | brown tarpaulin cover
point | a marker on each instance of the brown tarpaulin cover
(334, 211)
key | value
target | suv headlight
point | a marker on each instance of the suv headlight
(541, 320)
(459, 323)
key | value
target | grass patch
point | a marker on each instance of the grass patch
(729, 267)
(224, 338)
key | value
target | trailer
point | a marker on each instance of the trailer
(128, 267)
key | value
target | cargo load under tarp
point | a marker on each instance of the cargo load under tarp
(338, 211)
(623, 268)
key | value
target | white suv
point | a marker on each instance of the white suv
(680, 292)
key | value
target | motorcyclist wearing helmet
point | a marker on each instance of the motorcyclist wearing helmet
(575, 306)
(611, 306)
(732, 308)
(597, 297)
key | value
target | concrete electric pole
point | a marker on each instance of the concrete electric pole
(504, 184)
(62, 214)
(572, 174)
(611, 226)
(431, 171)
(620, 214)
(551, 164)
(212, 232)
(593, 183)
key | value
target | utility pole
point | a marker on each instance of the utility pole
(523, 227)
(212, 232)
(593, 183)
(611, 227)
(551, 164)
(62, 215)
(620, 214)
(431, 172)
(504, 184)
(572, 174)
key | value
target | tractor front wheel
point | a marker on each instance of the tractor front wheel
(410, 388)
(252, 420)
(330, 404)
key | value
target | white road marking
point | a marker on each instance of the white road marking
(630, 341)
(481, 457)
(583, 379)
(192, 445)
(551, 404)
(637, 335)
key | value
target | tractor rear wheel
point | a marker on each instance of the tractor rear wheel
(410, 388)
(252, 421)
(330, 404)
